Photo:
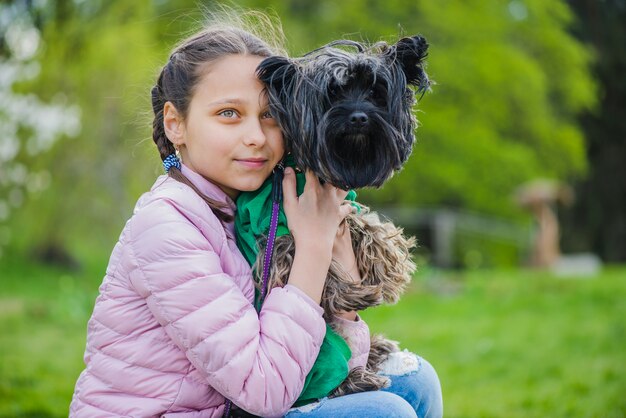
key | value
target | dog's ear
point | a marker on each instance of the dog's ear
(276, 72)
(410, 54)
(279, 74)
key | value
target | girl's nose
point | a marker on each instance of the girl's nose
(254, 136)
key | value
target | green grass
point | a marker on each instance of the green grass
(518, 344)
(505, 344)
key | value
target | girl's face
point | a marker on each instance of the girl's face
(229, 136)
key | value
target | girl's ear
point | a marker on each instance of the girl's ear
(410, 54)
(173, 124)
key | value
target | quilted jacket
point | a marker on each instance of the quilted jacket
(173, 329)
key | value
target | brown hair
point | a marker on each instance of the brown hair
(228, 33)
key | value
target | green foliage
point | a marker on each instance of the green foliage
(503, 109)
(476, 252)
(504, 343)
(105, 61)
(597, 221)
(517, 343)
(509, 83)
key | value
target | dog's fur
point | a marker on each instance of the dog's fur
(348, 117)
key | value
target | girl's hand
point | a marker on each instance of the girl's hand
(316, 214)
(313, 219)
(343, 253)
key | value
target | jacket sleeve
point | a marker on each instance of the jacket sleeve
(257, 361)
(357, 335)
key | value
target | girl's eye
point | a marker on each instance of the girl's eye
(228, 113)
(267, 115)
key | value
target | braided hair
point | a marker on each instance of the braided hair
(188, 63)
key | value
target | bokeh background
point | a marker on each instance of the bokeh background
(520, 153)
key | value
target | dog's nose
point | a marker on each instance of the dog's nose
(358, 119)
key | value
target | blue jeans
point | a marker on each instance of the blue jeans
(413, 393)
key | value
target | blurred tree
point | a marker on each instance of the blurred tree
(29, 126)
(597, 222)
(510, 82)
(103, 55)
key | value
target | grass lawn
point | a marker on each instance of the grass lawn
(505, 344)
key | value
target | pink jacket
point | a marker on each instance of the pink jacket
(173, 329)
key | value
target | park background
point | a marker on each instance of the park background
(526, 91)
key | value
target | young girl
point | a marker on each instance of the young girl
(174, 332)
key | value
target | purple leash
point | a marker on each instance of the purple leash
(277, 196)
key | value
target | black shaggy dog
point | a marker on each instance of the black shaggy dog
(348, 117)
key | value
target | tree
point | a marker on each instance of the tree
(101, 55)
(597, 221)
(510, 82)
(30, 126)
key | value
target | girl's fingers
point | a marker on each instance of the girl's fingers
(311, 180)
(342, 193)
(290, 195)
(345, 209)
(342, 228)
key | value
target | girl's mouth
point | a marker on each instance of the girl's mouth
(252, 162)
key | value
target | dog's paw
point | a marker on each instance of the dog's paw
(399, 363)
(380, 349)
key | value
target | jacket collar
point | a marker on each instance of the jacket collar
(208, 188)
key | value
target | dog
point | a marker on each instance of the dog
(348, 117)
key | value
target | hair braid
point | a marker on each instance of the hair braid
(166, 148)
(161, 140)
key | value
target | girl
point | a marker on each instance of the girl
(174, 332)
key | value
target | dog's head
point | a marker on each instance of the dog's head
(348, 116)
